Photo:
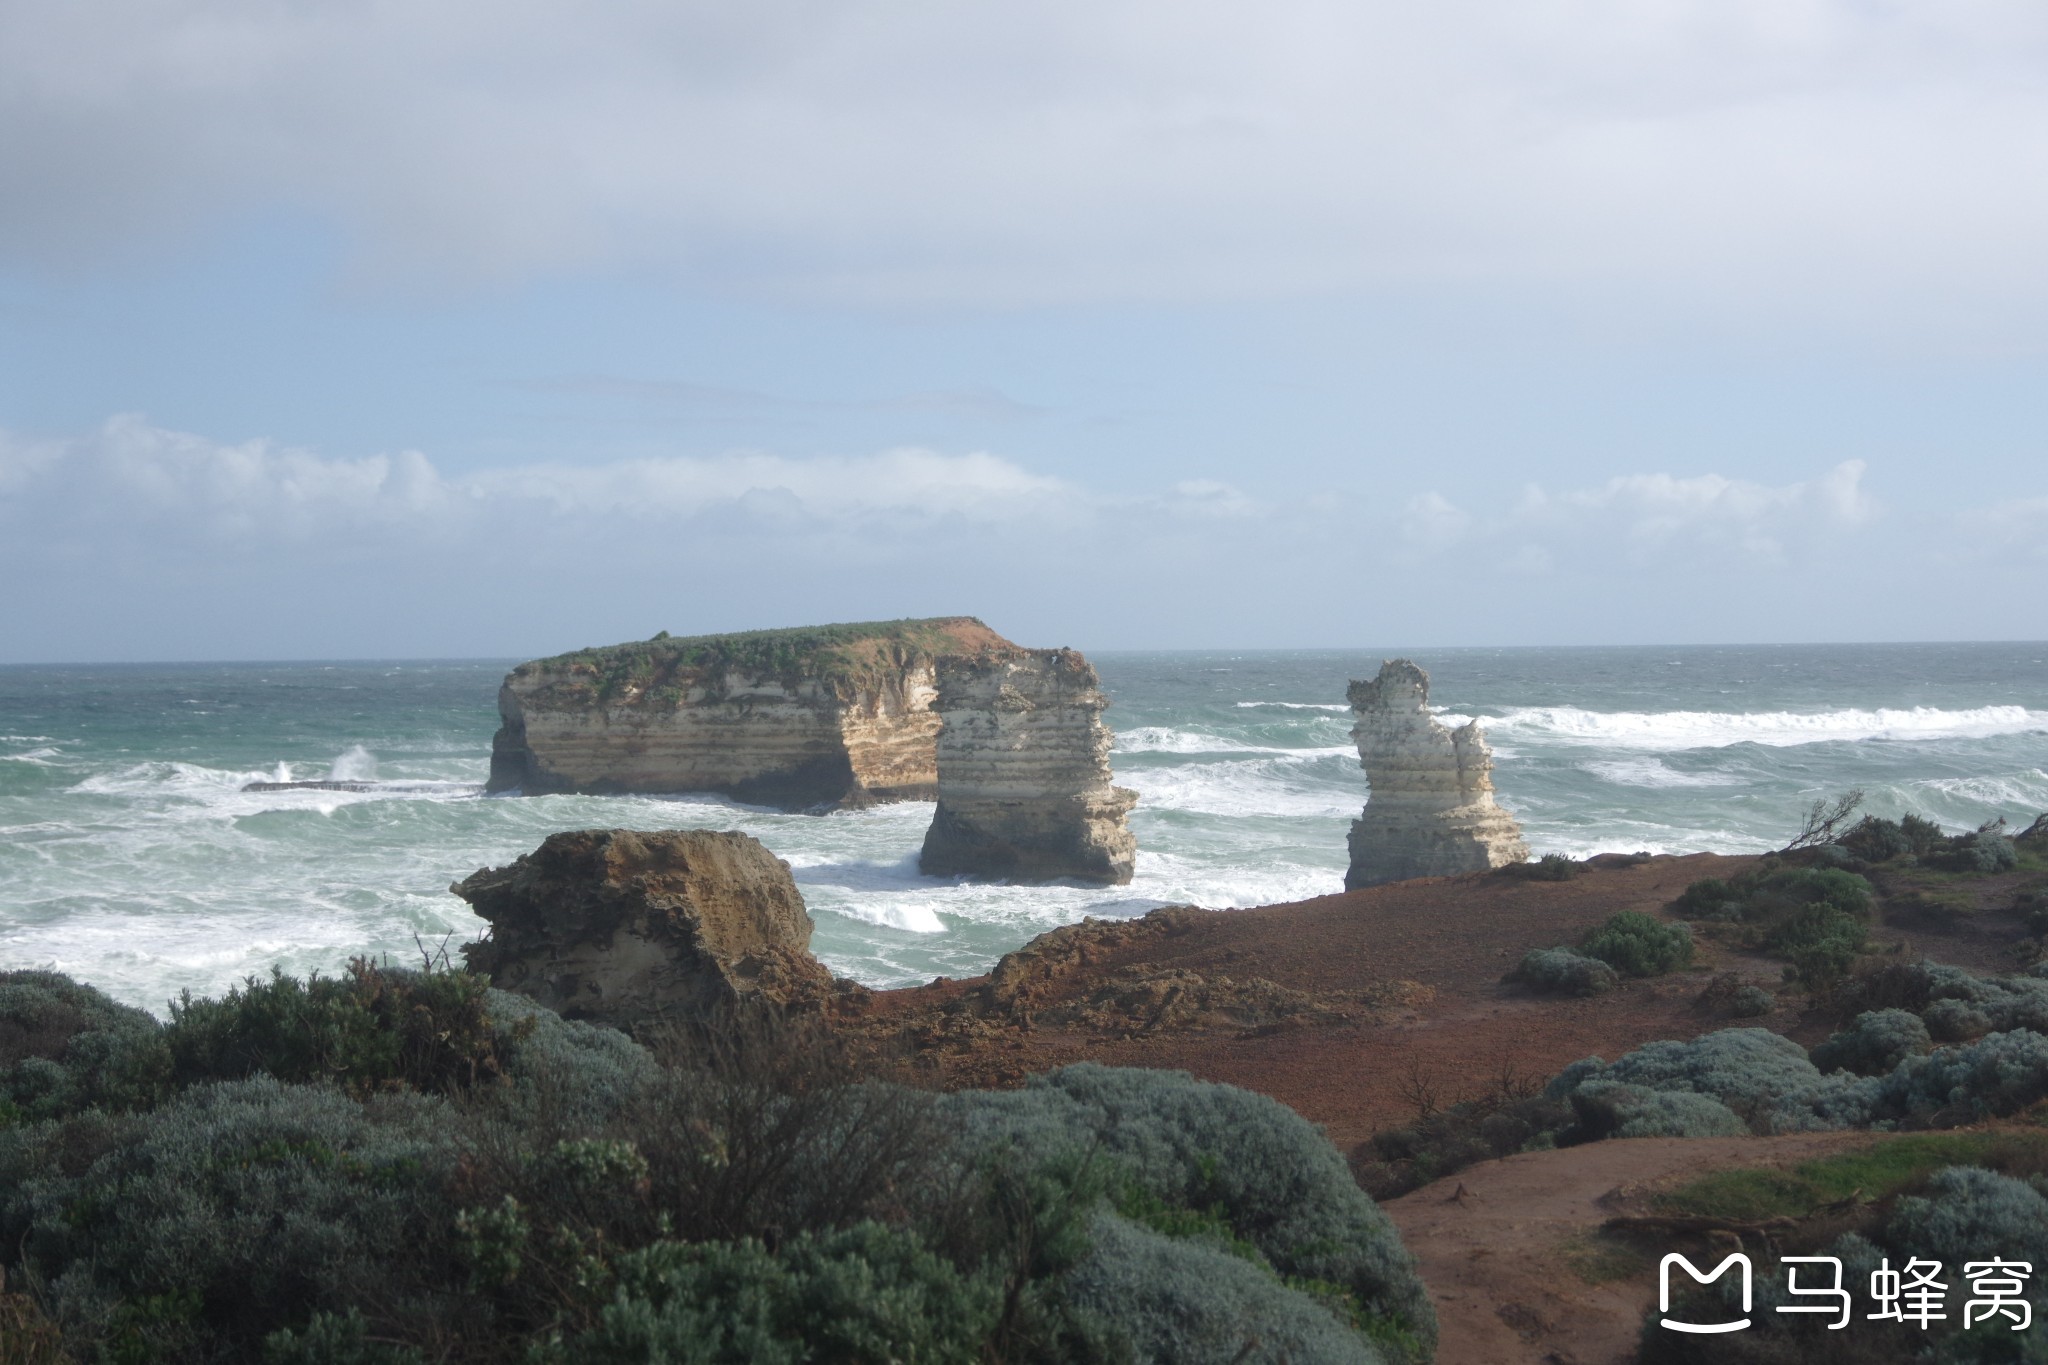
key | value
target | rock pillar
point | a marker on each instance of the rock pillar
(1432, 811)
(1023, 763)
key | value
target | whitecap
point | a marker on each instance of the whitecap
(2028, 790)
(1301, 705)
(910, 917)
(1651, 772)
(1160, 739)
(41, 758)
(1672, 730)
(1258, 787)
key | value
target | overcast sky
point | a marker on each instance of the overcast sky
(444, 327)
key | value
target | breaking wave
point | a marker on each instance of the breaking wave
(1672, 730)
(1162, 739)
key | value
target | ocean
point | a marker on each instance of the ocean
(131, 857)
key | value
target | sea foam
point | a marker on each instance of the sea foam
(1673, 730)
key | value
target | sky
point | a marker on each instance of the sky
(438, 328)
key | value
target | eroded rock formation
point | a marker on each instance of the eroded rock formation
(627, 927)
(816, 717)
(1023, 768)
(1432, 811)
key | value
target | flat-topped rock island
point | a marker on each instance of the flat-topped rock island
(810, 718)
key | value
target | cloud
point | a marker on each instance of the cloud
(893, 150)
(140, 542)
(1653, 520)
(189, 489)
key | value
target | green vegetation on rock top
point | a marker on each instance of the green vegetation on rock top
(850, 656)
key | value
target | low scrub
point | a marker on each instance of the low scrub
(1636, 944)
(1551, 867)
(1560, 971)
(1816, 919)
(391, 1168)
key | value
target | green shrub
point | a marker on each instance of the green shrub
(1635, 944)
(1168, 1300)
(1745, 1068)
(1560, 971)
(1750, 1002)
(1551, 867)
(1981, 851)
(65, 1047)
(1955, 1021)
(334, 1339)
(1728, 994)
(1709, 898)
(1262, 1168)
(375, 1028)
(1506, 1121)
(1813, 917)
(1874, 839)
(473, 1179)
(238, 1209)
(1877, 1042)
(1607, 1108)
(864, 1295)
(1999, 1074)
(1971, 1214)
(565, 1073)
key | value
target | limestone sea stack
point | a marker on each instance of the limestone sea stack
(1023, 763)
(1431, 812)
(816, 717)
(628, 927)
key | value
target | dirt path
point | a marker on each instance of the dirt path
(1509, 1248)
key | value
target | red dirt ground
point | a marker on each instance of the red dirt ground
(1454, 935)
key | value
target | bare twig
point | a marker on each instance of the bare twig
(1823, 819)
(1420, 1090)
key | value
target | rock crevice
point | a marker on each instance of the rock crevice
(1023, 772)
(1431, 812)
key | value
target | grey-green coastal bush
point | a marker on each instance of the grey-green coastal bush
(1560, 971)
(510, 1186)
(233, 1209)
(1173, 1299)
(1769, 1082)
(1608, 1108)
(66, 1047)
(1876, 1042)
(1252, 1162)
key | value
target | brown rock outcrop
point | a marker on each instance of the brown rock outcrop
(814, 717)
(630, 927)
(1432, 811)
(1023, 767)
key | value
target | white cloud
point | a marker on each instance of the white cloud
(1070, 149)
(1653, 519)
(189, 488)
(161, 544)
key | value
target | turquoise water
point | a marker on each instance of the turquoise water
(130, 856)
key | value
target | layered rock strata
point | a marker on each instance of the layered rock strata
(1431, 812)
(1023, 767)
(629, 928)
(812, 718)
